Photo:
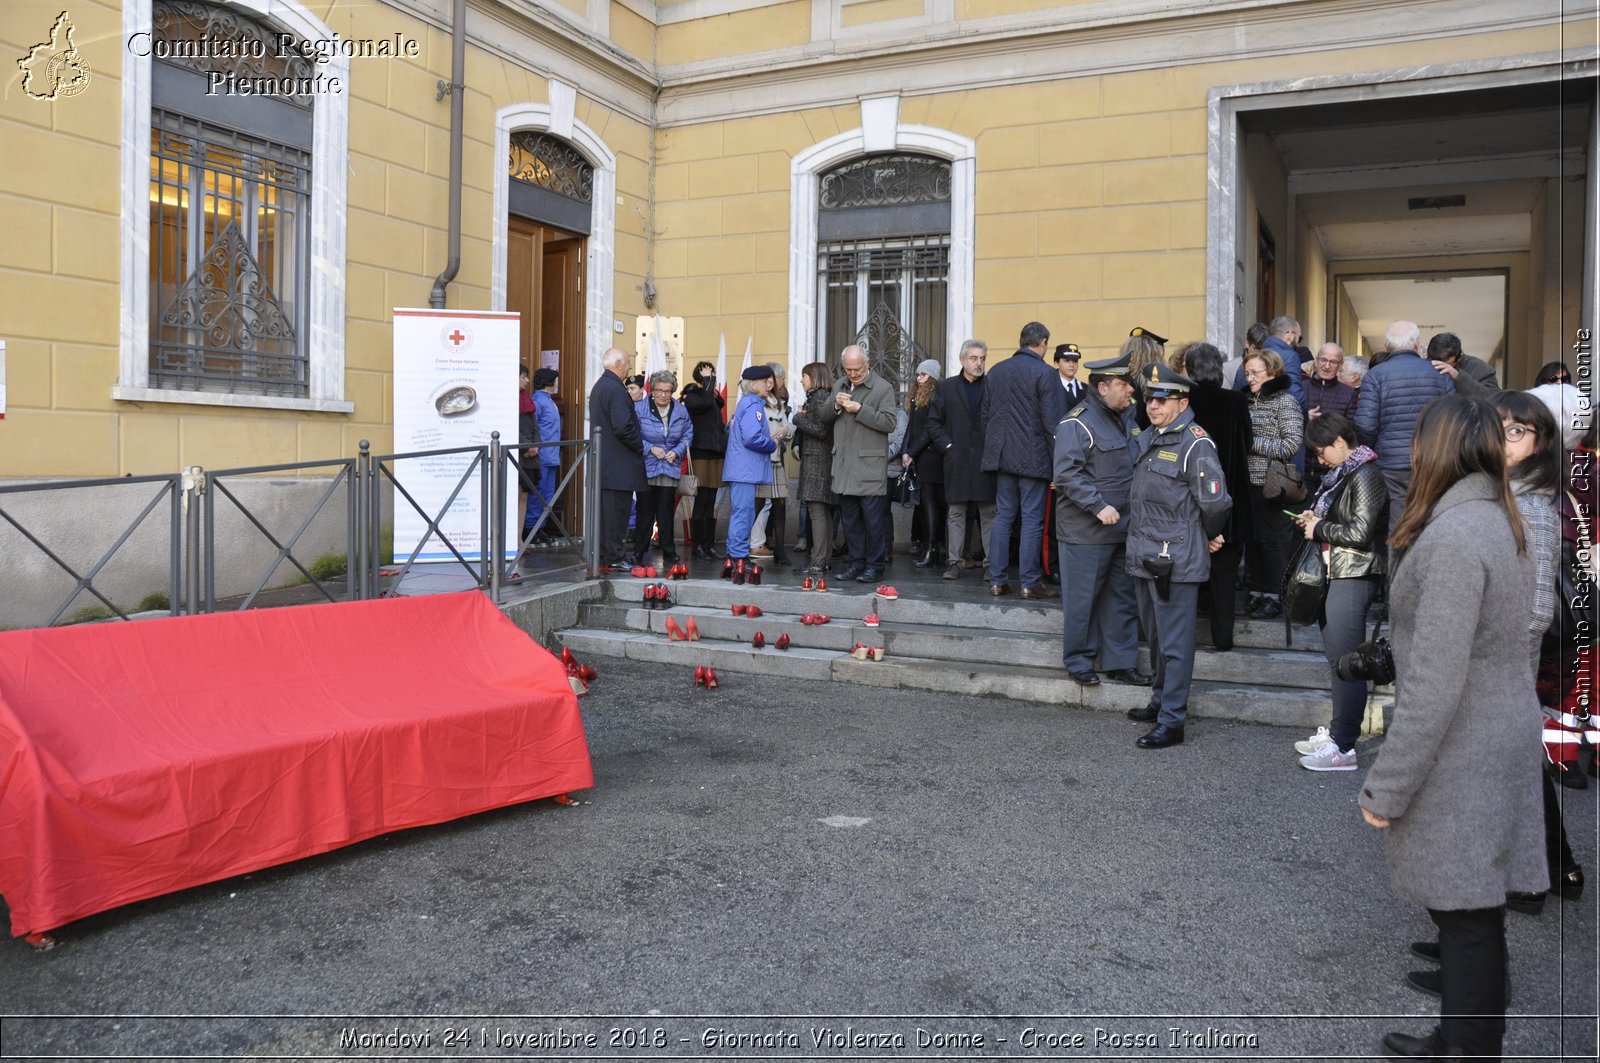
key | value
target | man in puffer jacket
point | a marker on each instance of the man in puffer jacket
(1392, 397)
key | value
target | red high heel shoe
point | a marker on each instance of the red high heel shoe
(727, 568)
(755, 574)
(663, 596)
(822, 583)
(699, 675)
(739, 572)
(807, 583)
(649, 595)
(567, 657)
(674, 632)
(711, 678)
(752, 611)
(758, 640)
(587, 673)
(738, 610)
(783, 641)
(691, 630)
(650, 571)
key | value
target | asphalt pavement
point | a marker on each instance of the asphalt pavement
(796, 869)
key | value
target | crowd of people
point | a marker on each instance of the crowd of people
(1335, 484)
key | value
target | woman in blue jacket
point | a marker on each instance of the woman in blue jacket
(747, 462)
(666, 431)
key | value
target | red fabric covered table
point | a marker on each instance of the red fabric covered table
(141, 758)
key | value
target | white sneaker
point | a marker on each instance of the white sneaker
(1314, 743)
(1328, 758)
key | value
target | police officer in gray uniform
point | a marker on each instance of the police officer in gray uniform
(1178, 508)
(1093, 473)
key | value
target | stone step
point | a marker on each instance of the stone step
(986, 648)
(854, 601)
(1287, 707)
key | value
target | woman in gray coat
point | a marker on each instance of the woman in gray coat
(1455, 783)
(815, 444)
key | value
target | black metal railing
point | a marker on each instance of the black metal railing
(198, 499)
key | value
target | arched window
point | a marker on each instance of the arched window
(883, 261)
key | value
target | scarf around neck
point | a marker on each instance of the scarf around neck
(1358, 457)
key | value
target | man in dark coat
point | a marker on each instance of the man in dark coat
(1021, 407)
(1473, 377)
(612, 414)
(1225, 415)
(954, 425)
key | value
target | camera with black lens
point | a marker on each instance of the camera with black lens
(1370, 662)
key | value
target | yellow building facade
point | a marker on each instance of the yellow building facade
(1096, 165)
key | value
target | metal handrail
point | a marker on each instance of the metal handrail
(171, 484)
(213, 486)
(377, 465)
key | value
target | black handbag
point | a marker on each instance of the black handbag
(1305, 584)
(904, 491)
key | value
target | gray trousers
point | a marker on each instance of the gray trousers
(1099, 608)
(955, 540)
(1169, 625)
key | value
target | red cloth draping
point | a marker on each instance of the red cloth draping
(141, 758)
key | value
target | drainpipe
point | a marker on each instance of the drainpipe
(457, 90)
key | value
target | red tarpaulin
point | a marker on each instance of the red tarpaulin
(141, 758)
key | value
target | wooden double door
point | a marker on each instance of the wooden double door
(544, 283)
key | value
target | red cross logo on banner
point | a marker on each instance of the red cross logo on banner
(456, 337)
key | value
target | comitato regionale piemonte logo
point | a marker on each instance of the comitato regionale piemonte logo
(54, 69)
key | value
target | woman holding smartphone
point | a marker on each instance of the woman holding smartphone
(1347, 519)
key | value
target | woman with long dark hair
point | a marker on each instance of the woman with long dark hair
(1454, 782)
(1553, 373)
(1534, 457)
(928, 460)
(705, 408)
(1347, 520)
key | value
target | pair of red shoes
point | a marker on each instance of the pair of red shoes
(579, 676)
(741, 570)
(760, 640)
(863, 652)
(680, 570)
(643, 571)
(746, 610)
(818, 584)
(657, 596)
(689, 632)
(705, 676)
(815, 618)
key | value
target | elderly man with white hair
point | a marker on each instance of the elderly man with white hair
(612, 414)
(1392, 397)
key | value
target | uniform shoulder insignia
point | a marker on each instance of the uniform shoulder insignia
(1076, 410)
(1199, 433)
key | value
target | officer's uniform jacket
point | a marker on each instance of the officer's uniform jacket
(1179, 500)
(1093, 469)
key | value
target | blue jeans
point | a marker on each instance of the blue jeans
(741, 514)
(540, 495)
(1018, 498)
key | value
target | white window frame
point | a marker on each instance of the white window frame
(881, 131)
(329, 164)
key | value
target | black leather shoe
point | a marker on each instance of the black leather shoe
(1131, 676)
(1160, 737)
(1269, 609)
(1425, 981)
(1088, 679)
(999, 589)
(924, 561)
(1526, 903)
(1426, 950)
(870, 575)
(1147, 714)
(853, 571)
(1409, 1046)
(1038, 592)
